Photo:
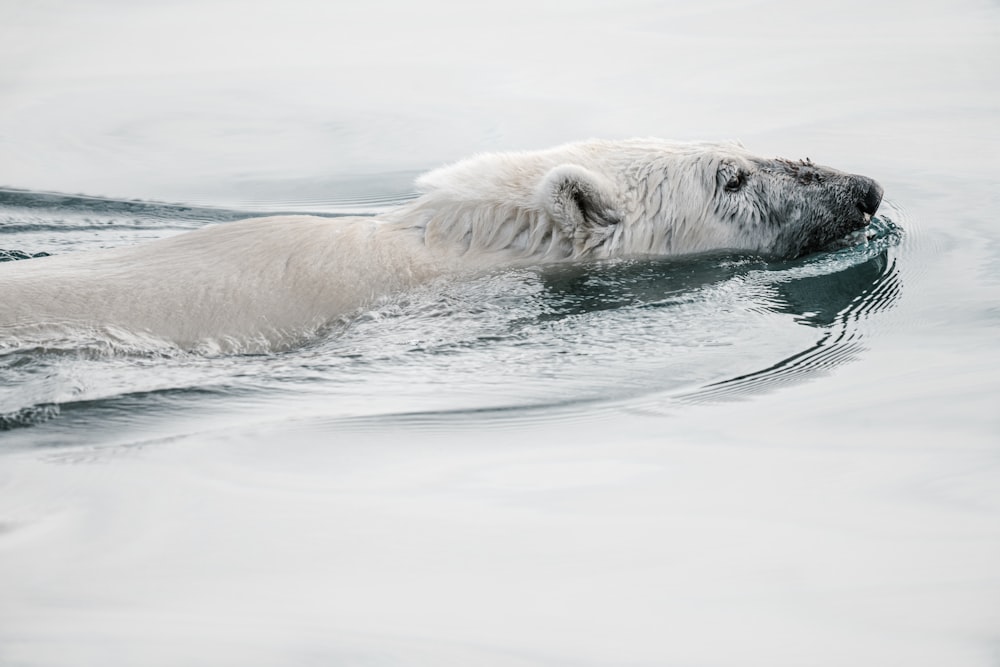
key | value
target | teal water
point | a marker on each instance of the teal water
(712, 460)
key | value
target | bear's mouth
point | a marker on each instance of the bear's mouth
(859, 233)
(853, 230)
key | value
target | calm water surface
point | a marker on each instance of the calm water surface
(714, 460)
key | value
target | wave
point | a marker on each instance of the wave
(34, 211)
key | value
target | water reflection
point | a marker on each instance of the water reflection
(584, 288)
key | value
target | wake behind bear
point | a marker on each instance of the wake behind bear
(263, 283)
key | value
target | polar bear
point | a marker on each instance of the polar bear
(267, 282)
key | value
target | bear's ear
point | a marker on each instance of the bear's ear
(583, 203)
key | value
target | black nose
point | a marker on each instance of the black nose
(871, 198)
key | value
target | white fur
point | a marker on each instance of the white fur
(267, 281)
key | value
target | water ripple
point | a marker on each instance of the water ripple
(869, 287)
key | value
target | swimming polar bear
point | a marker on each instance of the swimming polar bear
(266, 282)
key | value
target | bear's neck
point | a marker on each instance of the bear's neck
(498, 231)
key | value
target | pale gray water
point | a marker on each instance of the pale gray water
(710, 461)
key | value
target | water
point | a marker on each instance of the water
(716, 460)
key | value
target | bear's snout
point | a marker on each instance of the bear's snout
(871, 195)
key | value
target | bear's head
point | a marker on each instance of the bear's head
(600, 199)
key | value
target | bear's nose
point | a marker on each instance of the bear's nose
(871, 198)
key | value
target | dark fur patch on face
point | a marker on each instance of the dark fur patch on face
(802, 170)
(791, 207)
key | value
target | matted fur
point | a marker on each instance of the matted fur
(267, 281)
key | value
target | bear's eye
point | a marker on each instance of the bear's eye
(736, 181)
